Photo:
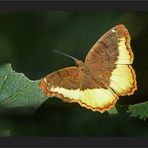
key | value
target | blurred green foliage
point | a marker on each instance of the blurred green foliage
(26, 39)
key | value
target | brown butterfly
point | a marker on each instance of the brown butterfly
(96, 83)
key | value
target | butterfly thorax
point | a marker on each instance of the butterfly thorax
(88, 75)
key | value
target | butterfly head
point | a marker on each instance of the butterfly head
(79, 63)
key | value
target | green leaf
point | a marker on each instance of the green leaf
(18, 92)
(139, 110)
(113, 111)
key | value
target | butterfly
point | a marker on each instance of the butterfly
(97, 83)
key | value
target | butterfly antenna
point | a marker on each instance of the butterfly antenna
(62, 53)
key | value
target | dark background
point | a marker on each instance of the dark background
(26, 39)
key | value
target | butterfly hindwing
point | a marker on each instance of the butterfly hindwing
(71, 85)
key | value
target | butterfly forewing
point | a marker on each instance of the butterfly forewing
(110, 59)
(67, 78)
